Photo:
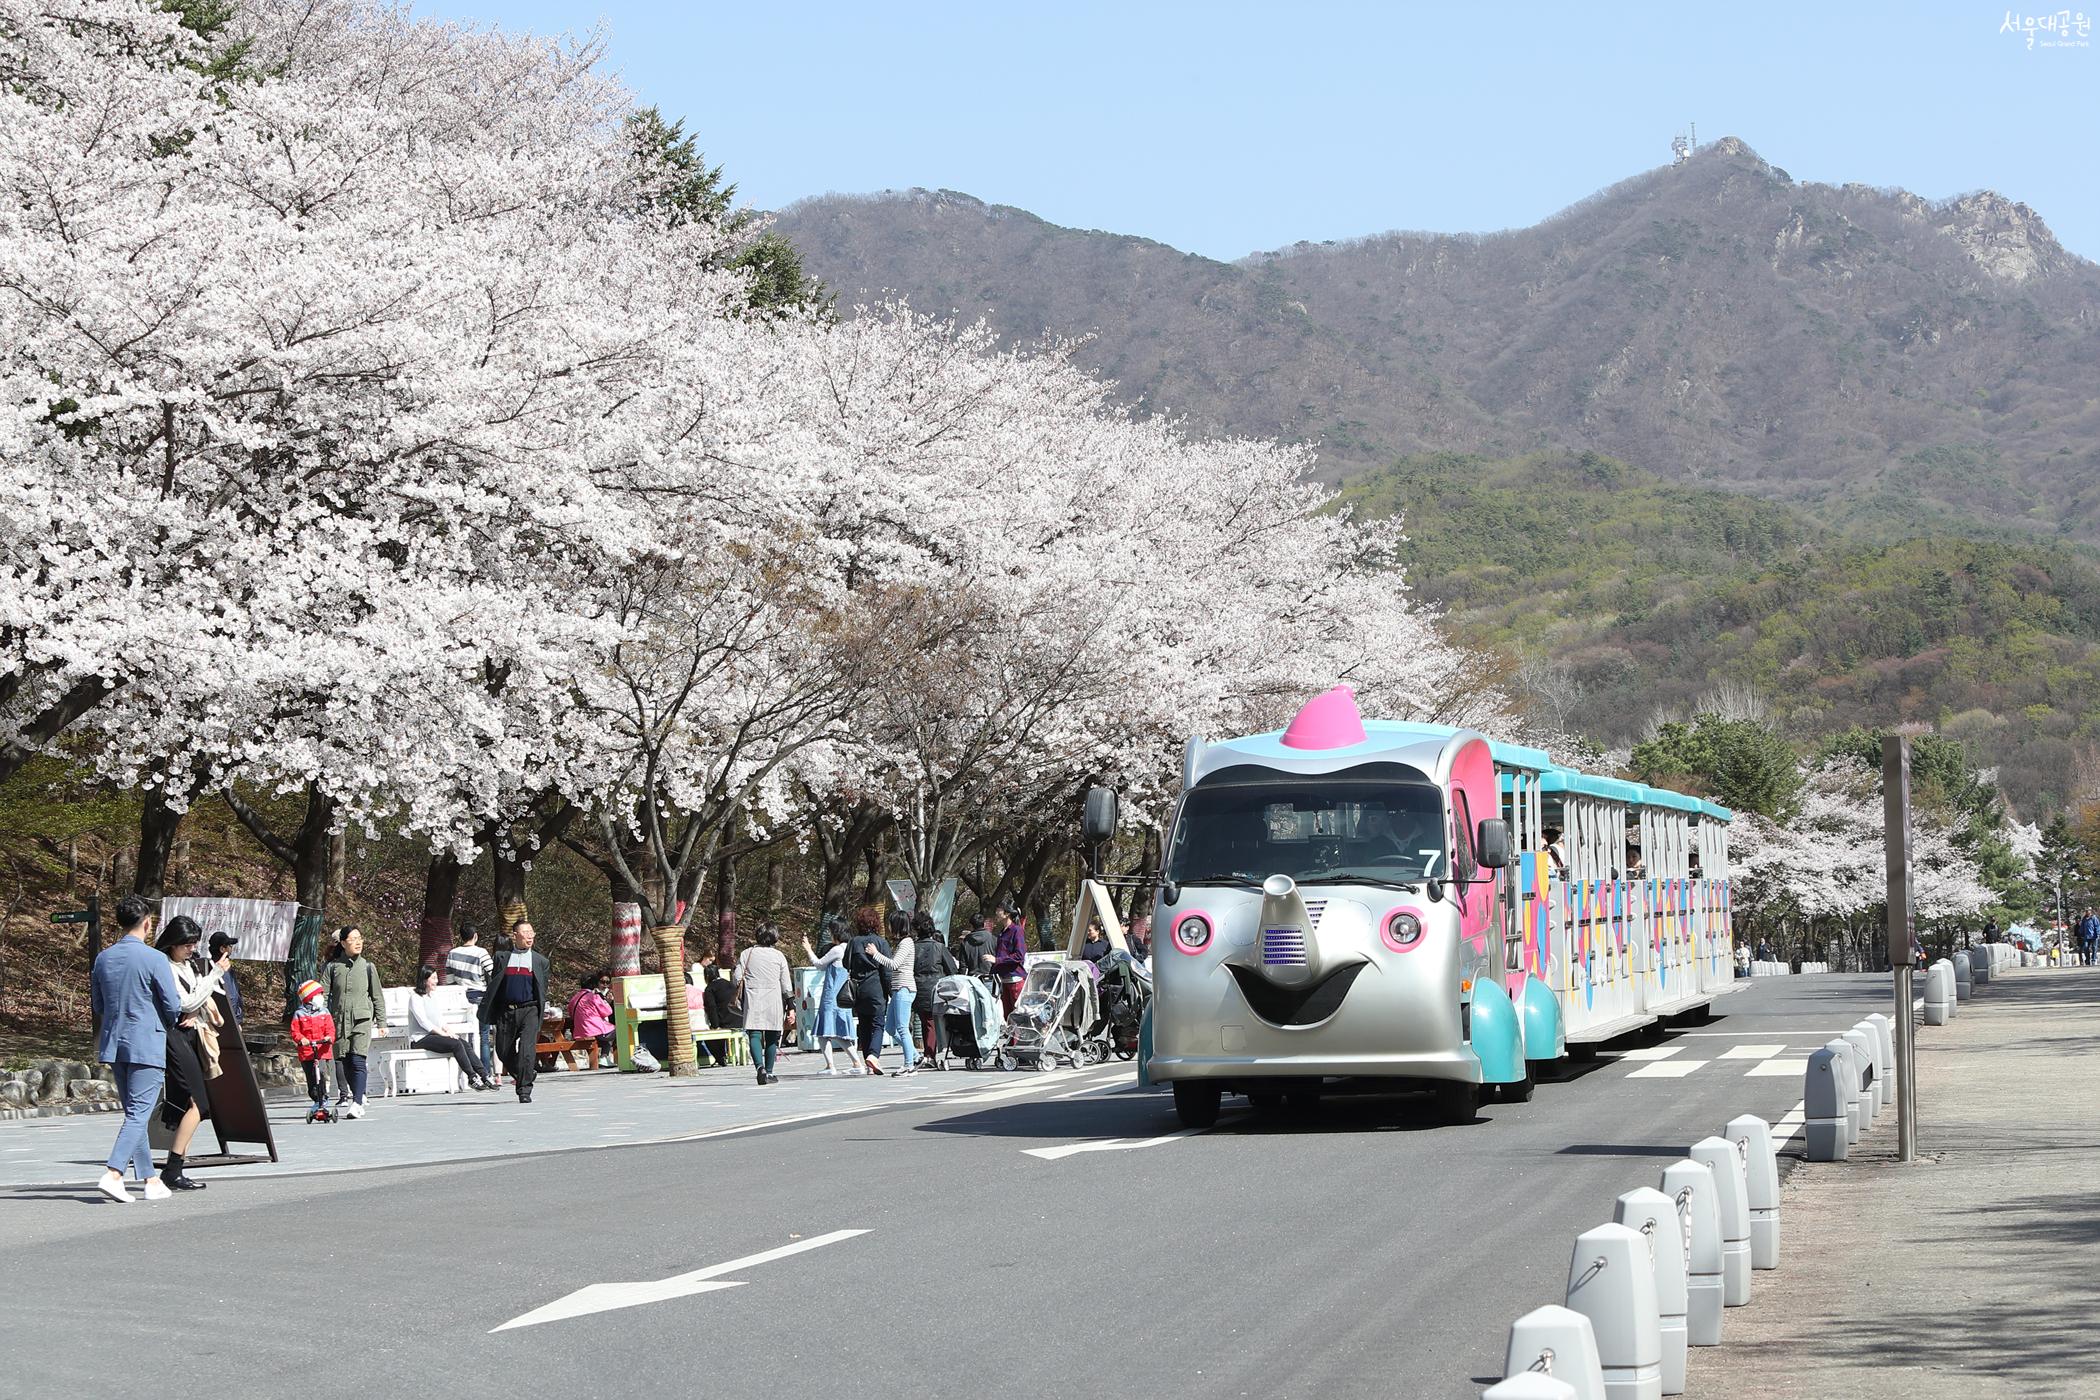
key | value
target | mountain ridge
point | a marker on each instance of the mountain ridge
(1882, 361)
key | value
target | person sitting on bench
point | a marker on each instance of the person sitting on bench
(428, 1025)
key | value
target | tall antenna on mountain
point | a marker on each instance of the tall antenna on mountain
(1682, 145)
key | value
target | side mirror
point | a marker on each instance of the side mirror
(1099, 823)
(1491, 846)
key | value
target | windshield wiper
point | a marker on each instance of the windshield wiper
(1347, 877)
(1230, 877)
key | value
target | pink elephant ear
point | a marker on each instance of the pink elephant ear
(1329, 721)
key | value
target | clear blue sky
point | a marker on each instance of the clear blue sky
(1227, 128)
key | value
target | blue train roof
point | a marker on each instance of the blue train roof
(1505, 754)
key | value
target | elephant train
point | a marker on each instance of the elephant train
(1365, 905)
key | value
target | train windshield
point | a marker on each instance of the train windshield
(1325, 829)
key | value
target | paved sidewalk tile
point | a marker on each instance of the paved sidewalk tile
(1970, 1272)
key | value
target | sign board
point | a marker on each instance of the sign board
(943, 909)
(263, 926)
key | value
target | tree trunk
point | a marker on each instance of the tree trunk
(678, 1022)
(310, 853)
(725, 914)
(507, 873)
(440, 896)
(776, 888)
(158, 823)
(871, 877)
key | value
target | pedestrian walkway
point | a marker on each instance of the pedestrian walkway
(1970, 1271)
(569, 1112)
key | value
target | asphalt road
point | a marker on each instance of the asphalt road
(1355, 1252)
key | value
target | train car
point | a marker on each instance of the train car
(1353, 904)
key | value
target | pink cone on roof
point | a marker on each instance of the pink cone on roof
(1330, 720)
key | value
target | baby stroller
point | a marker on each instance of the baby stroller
(1055, 1019)
(1126, 989)
(970, 1016)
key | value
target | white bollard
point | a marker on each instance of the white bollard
(1557, 1342)
(1732, 1202)
(1884, 1056)
(1655, 1216)
(1611, 1280)
(1531, 1385)
(1982, 963)
(1862, 1042)
(1752, 1137)
(1824, 1092)
(1690, 1187)
(1846, 1051)
(1953, 990)
(1964, 977)
(1939, 995)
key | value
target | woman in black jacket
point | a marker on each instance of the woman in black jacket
(931, 961)
(869, 979)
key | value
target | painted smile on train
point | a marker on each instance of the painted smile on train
(1352, 904)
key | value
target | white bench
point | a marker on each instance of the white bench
(412, 1071)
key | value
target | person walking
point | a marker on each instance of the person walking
(2089, 937)
(515, 1006)
(185, 1095)
(867, 954)
(427, 1024)
(469, 965)
(1009, 958)
(834, 1024)
(931, 961)
(765, 986)
(132, 991)
(896, 1017)
(359, 1004)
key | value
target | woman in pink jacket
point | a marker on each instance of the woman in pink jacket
(590, 1015)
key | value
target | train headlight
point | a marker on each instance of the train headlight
(1192, 933)
(1402, 931)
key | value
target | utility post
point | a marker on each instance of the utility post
(1895, 808)
(92, 917)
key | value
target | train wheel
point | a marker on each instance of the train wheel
(1196, 1103)
(1519, 1092)
(1457, 1103)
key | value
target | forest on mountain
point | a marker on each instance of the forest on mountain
(1634, 601)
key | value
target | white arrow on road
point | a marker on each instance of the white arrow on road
(604, 1297)
(1058, 1154)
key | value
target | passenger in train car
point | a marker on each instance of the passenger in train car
(1635, 869)
(1555, 851)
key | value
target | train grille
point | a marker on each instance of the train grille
(1282, 947)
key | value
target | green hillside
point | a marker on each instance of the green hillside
(1634, 597)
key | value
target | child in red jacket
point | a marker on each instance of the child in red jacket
(313, 1035)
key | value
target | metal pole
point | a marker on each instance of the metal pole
(1895, 807)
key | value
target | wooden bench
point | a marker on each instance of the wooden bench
(560, 1043)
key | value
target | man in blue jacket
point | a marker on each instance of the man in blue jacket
(135, 1005)
(2089, 936)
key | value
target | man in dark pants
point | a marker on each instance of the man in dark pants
(515, 1005)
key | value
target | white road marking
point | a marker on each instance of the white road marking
(1038, 1084)
(1753, 1052)
(1778, 1069)
(1667, 1069)
(1652, 1052)
(605, 1297)
(1794, 1121)
(1058, 1154)
(1105, 1086)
